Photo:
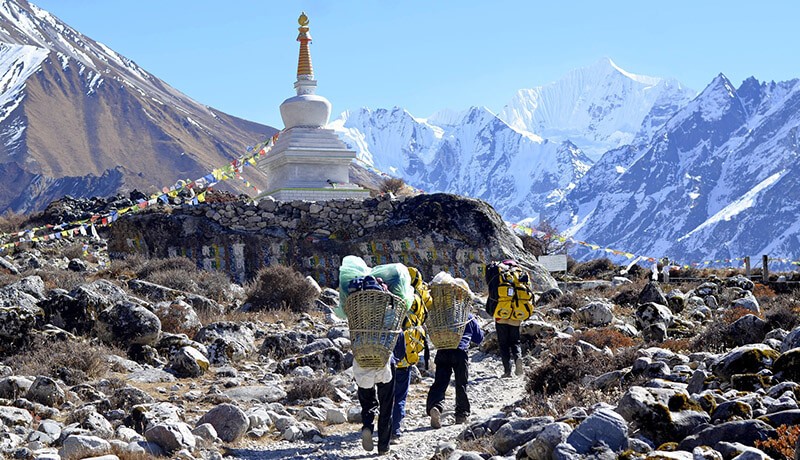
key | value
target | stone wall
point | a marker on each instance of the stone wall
(436, 232)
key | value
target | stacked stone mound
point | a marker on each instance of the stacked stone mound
(432, 232)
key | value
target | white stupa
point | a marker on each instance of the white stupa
(308, 161)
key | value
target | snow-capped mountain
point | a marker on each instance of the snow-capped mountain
(718, 180)
(472, 153)
(597, 108)
(78, 118)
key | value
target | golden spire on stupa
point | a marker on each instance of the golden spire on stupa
(304, 69)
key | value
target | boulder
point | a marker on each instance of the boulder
(748, 329)
(16, 323)
(791, 340)
(178, 317)
(128, 396)
(126, 324)
(652, 293)
(661, 414)
(45, 390)
(188, 362)
(14, 387)
(740, 281)
(748, 302)
(279, 346)
(171, 436)
(746, 359)
(676, 301)
(596, 313)
(14, 416)
(31, 285)
(229, 421)
(227, 341)
(80, 446)
(329, 358)
(545, 442)
(787, 365)
(653, 320)
(258, 393)
(746, 432)
(729, 411)
(518, 432)
(604, 427)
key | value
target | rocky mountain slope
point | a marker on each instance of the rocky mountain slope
(135, 358)
(78, 118)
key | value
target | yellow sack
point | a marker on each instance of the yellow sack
(514, 295)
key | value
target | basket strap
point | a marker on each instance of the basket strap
(375, 330)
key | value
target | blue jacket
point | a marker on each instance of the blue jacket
(472, 333)
(399, 352)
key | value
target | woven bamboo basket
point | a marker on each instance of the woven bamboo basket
(447, 316)
(374, 318)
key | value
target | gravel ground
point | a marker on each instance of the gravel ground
(488, 394)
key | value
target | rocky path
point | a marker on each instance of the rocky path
(488, 395)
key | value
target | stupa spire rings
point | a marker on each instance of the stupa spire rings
(304, 69)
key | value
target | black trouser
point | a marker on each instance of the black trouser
(508, 339)
(380, 402)
(449, 362)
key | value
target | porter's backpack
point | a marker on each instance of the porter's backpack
(412, 325)
(510, 293)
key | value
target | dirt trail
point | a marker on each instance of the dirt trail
(488, 394)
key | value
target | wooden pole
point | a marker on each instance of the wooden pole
(747, 267)
(765, 269)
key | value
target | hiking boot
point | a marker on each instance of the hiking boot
(506, 375)
(518, 369)
(366, 439)
(461, 419)
(436, 418)
(383, 452)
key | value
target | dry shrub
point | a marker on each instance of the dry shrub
(627, 295)
(8, 278)
(762, 291)
(566, 363)
(11, 221)
(573, 395)
(62, 279)
(73, 362)
(677, 345)
(182, 274)
(304, 389)
(277, 287)
(152, 266)
(782, 446)
(124, 454)
(392, 185)
(595, 269)
(568, 300)
(606, 337)
(716, 336)
(781, 312)
(73, 251)
(482, 445)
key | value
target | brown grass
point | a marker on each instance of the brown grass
(304, 389)
(482, 445)
(762, 291)
(782, 446)
(781, 312)
(565, 363)
(73, 362)
(279, 287)
(62, 279)
(716, 336)
(11, 221)
(572, 395)
(606, 337)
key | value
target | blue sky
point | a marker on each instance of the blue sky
(240, 56)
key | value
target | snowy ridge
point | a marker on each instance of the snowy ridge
(598, 108)
(17, 63)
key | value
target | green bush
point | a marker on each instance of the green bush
(276, 287)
